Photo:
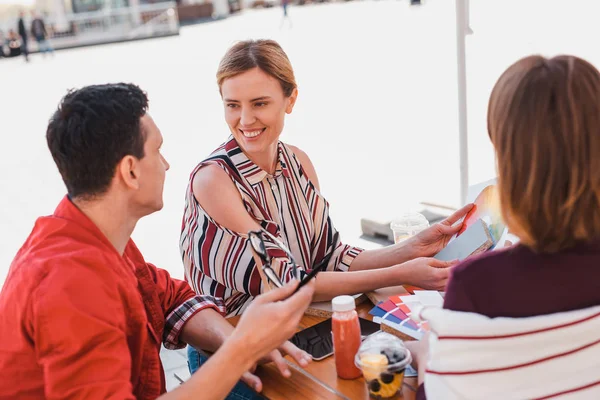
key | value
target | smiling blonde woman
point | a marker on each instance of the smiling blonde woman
(256, 181)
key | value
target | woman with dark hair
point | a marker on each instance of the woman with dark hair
(544, 123)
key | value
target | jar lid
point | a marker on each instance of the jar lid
(343, 303)
(410, 220)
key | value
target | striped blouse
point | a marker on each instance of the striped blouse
(219, 262)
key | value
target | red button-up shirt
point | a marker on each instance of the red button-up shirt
(80, 321)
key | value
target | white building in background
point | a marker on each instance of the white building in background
(57, 10)
(60, 13)
(76, 23)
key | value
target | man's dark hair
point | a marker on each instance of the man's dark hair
(92, 130)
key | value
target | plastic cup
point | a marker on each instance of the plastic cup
(382, 358)
(408, 225)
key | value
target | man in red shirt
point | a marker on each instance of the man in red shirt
(82, 314)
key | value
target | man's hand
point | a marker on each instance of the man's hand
(269, 321)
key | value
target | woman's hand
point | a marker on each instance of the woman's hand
(426, 273)
(433, 239)
(288, 348)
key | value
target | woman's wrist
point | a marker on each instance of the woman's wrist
(398, 274)
(407, 250)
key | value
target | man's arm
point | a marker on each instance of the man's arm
(253, 338)
(206, 330)
(200, 316)
(181, 305)
(216, 378)
(198, 320)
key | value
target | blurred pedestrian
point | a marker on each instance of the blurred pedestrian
(13, 43)
(39, 32)
(2, 43)
(23, 33)
(284, 5)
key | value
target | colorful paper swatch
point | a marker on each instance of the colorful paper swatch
(487, 207)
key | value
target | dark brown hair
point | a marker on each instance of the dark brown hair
(544, 122)
(264, 54)
(90, 133)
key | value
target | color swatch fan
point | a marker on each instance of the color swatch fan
(487, 208)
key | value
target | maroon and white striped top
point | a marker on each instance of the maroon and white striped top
(219, 262)
(472, 356)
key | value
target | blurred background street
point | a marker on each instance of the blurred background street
(377, 110)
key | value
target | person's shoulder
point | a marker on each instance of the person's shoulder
(59, 261)
(210, 174)
(212, 180)
(488, 264)
(216, 193)
(77, 255)
(298, 153)
(305, 163)
(212, 171)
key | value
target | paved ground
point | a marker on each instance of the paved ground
(376, 112)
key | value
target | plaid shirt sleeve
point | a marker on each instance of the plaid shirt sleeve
(180, 315)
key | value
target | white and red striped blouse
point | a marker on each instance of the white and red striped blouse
(219, 262)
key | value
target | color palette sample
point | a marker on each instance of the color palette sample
(487, 207)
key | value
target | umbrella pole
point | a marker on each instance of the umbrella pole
(463, 149)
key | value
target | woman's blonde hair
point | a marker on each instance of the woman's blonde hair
(264, 54)
(544, 122)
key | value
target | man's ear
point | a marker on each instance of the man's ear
(129, 172)
(291, 101)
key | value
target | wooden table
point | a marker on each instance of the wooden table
(276, 387)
